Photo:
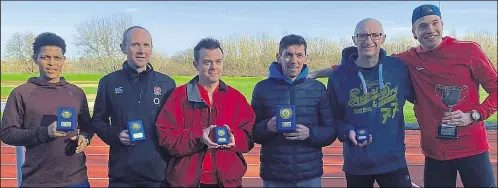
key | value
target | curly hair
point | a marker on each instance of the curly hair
(48, 39)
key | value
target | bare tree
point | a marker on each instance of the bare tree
(99, 39)
(19, 48)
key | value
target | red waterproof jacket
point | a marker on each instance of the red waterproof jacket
(460, 64)
(179, 127)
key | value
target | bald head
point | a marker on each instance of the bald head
(126, 34)
(137, 45)
(368, 25)
(368, 37)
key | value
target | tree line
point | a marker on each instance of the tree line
(98, 39)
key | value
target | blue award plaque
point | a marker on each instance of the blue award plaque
(66, 119)
(362, 135)
(286, 118)
(221, 135)
(136, 130)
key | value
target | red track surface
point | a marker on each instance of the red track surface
(97, 156)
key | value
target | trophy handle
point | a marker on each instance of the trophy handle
(438, 88)
(463, 96)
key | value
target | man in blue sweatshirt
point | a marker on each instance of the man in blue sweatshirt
(368, 92)
(135, 92)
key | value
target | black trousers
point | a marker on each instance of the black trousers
(396, 178)
(475, 171)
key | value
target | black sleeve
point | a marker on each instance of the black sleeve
(101, 114)
(260, 133)
(325, 132)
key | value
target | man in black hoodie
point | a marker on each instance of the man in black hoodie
(133, 93)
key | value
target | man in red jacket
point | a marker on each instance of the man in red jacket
(188, 117)
(446, 61)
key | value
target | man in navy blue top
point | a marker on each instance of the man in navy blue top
(135, 92)
(368, 92)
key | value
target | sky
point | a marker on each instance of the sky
(176, 26)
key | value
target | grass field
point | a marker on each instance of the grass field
(89, 82)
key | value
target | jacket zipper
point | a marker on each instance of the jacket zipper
(204, 156)
(141, 90)
(213, 154)
(293, 149)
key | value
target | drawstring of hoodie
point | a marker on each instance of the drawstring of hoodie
(381, 80)
(363, 82)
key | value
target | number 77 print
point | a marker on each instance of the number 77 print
(389, 111)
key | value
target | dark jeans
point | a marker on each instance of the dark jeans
(314, 182)
(82, 184)
(475, 171)
(115, 183)
(396, 178)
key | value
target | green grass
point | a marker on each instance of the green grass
(6, 91)
(244, 84)
(71, 77)
(90, 90)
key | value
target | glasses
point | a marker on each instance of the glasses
(373, 36)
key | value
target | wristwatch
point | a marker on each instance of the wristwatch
(86, 138)
(475, 116)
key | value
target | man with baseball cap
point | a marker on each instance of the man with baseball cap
(451, 141)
